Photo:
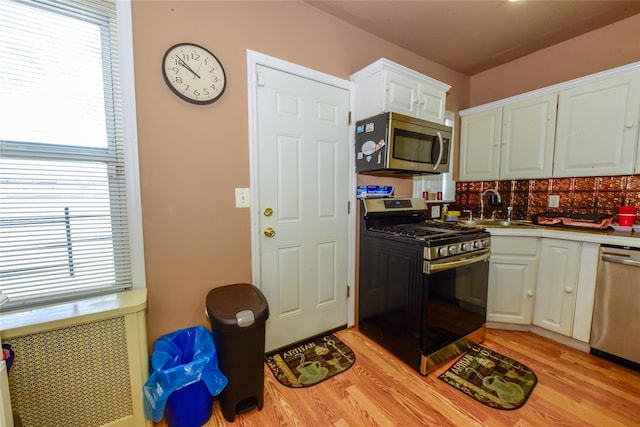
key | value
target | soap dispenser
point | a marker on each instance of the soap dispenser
(445, 211)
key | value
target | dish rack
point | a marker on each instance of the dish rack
(563, 219)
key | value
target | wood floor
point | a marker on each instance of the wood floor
(574, 389)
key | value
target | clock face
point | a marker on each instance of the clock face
(193, 73)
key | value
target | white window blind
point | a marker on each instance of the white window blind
(63, 194)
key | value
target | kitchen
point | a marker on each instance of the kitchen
(195, 238)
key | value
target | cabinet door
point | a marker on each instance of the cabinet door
(401, 94)
(431, 103)
(480, 145)
(528, 132)
(512, 282)
(597, 128)
(556, 289)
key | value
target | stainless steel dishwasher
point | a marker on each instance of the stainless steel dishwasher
(615, 330)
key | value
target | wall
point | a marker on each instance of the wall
(611, 46)
(192, 157)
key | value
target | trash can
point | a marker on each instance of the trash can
(238, 314)
(184, 378)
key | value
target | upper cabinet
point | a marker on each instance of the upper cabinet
(387, 86)
(510, 142)
(597, 128)
(480, 145)
(583, 127)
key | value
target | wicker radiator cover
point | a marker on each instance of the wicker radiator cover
(73, 376)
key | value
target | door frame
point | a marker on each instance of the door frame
(253, 60)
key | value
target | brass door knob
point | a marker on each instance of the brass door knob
(269, 232)
(268, 212)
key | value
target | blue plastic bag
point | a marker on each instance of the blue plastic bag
(179, 359)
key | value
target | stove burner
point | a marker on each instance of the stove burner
(424, 231)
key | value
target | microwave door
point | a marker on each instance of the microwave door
(406, 146)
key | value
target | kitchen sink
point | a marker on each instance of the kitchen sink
(492, 223)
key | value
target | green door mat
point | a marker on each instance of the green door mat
(308, 363)
(491, 378)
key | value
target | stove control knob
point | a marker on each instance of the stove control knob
(477, 244)
(452, 250)
(485, 243)
(465, 247)
(443, 251)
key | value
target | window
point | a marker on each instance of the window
(67, 187)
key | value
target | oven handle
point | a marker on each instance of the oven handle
(435, 268)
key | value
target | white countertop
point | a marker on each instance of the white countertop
(608, 236)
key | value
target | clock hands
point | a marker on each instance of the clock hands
(185, 65)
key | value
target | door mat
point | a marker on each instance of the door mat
(306, 364)
(491, 378)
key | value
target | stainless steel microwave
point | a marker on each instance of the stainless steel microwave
(395, 144)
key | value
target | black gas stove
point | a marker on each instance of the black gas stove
(422, 284)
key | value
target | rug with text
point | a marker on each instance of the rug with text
(306, 364)
(491, 378)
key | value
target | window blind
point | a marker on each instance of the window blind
(63, 200)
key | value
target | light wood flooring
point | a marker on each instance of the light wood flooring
(574, 389)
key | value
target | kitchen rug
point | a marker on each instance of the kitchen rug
(491, 378)
(308, 363)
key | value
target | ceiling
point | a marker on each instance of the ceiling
(473, 36)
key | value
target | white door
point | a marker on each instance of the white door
(303, 179)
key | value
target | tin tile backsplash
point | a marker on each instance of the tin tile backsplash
(582, 195)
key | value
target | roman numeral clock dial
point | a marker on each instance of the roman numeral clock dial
(193, 73)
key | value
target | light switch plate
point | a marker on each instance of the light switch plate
(435, 211)
(242, 198)
(554, 201)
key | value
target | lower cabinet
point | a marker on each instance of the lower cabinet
(512, 279)
(556, 295)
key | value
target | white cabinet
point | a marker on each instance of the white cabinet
(512, 279)
(528, 133)
(597, 129)
(480, 145)
(510, 142)
(556, 293)
(387, 86)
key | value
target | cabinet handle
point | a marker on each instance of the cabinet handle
(568, 289)
(629, 125)
(529, 293)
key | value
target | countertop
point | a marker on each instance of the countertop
(607, 236)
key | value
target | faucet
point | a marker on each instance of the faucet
(469, 212)
(490, 190)
(509, 210)
(493, 214)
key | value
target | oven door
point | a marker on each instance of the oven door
(456, 299)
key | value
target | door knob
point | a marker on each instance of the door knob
(268, 212)
(269, 232)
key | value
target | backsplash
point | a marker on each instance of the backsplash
(583, 195)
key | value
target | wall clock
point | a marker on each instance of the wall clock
(193, 73)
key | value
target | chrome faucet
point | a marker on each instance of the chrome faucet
(490, 190)
(509, 210)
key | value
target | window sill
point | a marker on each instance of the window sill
(36, 320)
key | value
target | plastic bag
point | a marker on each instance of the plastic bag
(179, 359)
(8, 355)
